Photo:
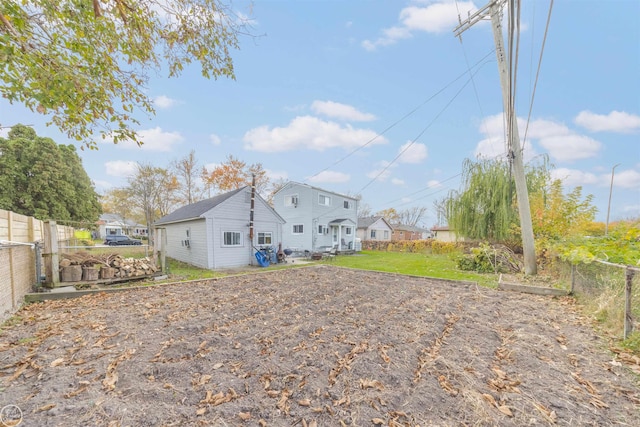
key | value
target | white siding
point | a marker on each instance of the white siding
(233, 215)
(195, 253)
(310, 213)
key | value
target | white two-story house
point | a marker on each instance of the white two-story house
(316, 219)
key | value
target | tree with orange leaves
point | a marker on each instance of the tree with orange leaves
(235, 173)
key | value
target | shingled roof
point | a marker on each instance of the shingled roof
(196, 210)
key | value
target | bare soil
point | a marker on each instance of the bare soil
(313, 346)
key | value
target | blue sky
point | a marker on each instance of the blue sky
(376, 98)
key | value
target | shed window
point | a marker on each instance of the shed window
(298, 228)
(264, 238)
(386, 234)
(232, 238)
(373, 234)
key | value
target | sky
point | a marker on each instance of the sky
(379, 98)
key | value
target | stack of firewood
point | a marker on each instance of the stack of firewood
(107, 266)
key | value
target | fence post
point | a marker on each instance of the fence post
(628, 318)
(51, 264)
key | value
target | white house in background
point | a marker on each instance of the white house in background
(316, 219)
(114, 225)
(442, 233)
(374, 228)
(215, 233)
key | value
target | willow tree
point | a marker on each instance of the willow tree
(485, 208)
(85, 63)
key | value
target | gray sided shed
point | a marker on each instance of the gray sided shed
(214, 233)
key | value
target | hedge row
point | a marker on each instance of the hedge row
(430, 245)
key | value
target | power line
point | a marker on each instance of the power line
(414, 140)
(479, 63)
(535, 84)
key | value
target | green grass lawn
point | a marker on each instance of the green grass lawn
(442, 266)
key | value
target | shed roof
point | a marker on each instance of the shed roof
(369, 221)
(196, 210)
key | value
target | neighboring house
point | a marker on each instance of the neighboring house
(409, 232)
(215, 233)
(316, 219)
(374, 228)
(115, 225)
(444, 234)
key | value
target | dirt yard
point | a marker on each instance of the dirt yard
(313, 346)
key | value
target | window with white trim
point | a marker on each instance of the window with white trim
(386, 234)
(324, 200)
(231, 238)
(347, 204)
(264, 238)
(373, 234)
(291, 200)
(298, 228)
(323, 229)
(347, 231)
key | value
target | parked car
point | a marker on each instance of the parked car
(121, 240)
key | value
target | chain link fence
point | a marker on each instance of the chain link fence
(609, 292)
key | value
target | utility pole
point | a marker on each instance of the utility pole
(494, 9)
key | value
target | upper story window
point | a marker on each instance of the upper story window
(291, 200)
(348, 204)
(298, 228)
(324, 200)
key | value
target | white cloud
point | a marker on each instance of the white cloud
(615, 121)
(434, 183)
(382, 172)
(164, 102)
(215, 139)
(4, 132)
(154, 139)
(574, 177)
(121, 168)
(557, 139)
(340, 111)
(570, 147)
(306, 132)
(276, 175)
(436, 18)
(627, 179)
(397, 181)
(330, 177)
(412, 153)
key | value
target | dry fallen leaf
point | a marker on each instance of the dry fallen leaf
(244, 416)
(377, 421)
(46, 407)
(505, 410)
(57, 362)
(304, 402)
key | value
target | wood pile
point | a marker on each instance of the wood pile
(79, 266)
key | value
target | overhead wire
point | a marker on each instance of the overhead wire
(414, 140)
(479, 63)
(535, 84)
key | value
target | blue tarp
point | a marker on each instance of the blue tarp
(263, 260)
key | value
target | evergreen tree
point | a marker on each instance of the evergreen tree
(45, 180)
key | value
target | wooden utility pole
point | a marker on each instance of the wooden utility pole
(494, 10)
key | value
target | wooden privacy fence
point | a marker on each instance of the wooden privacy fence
(23, 241)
